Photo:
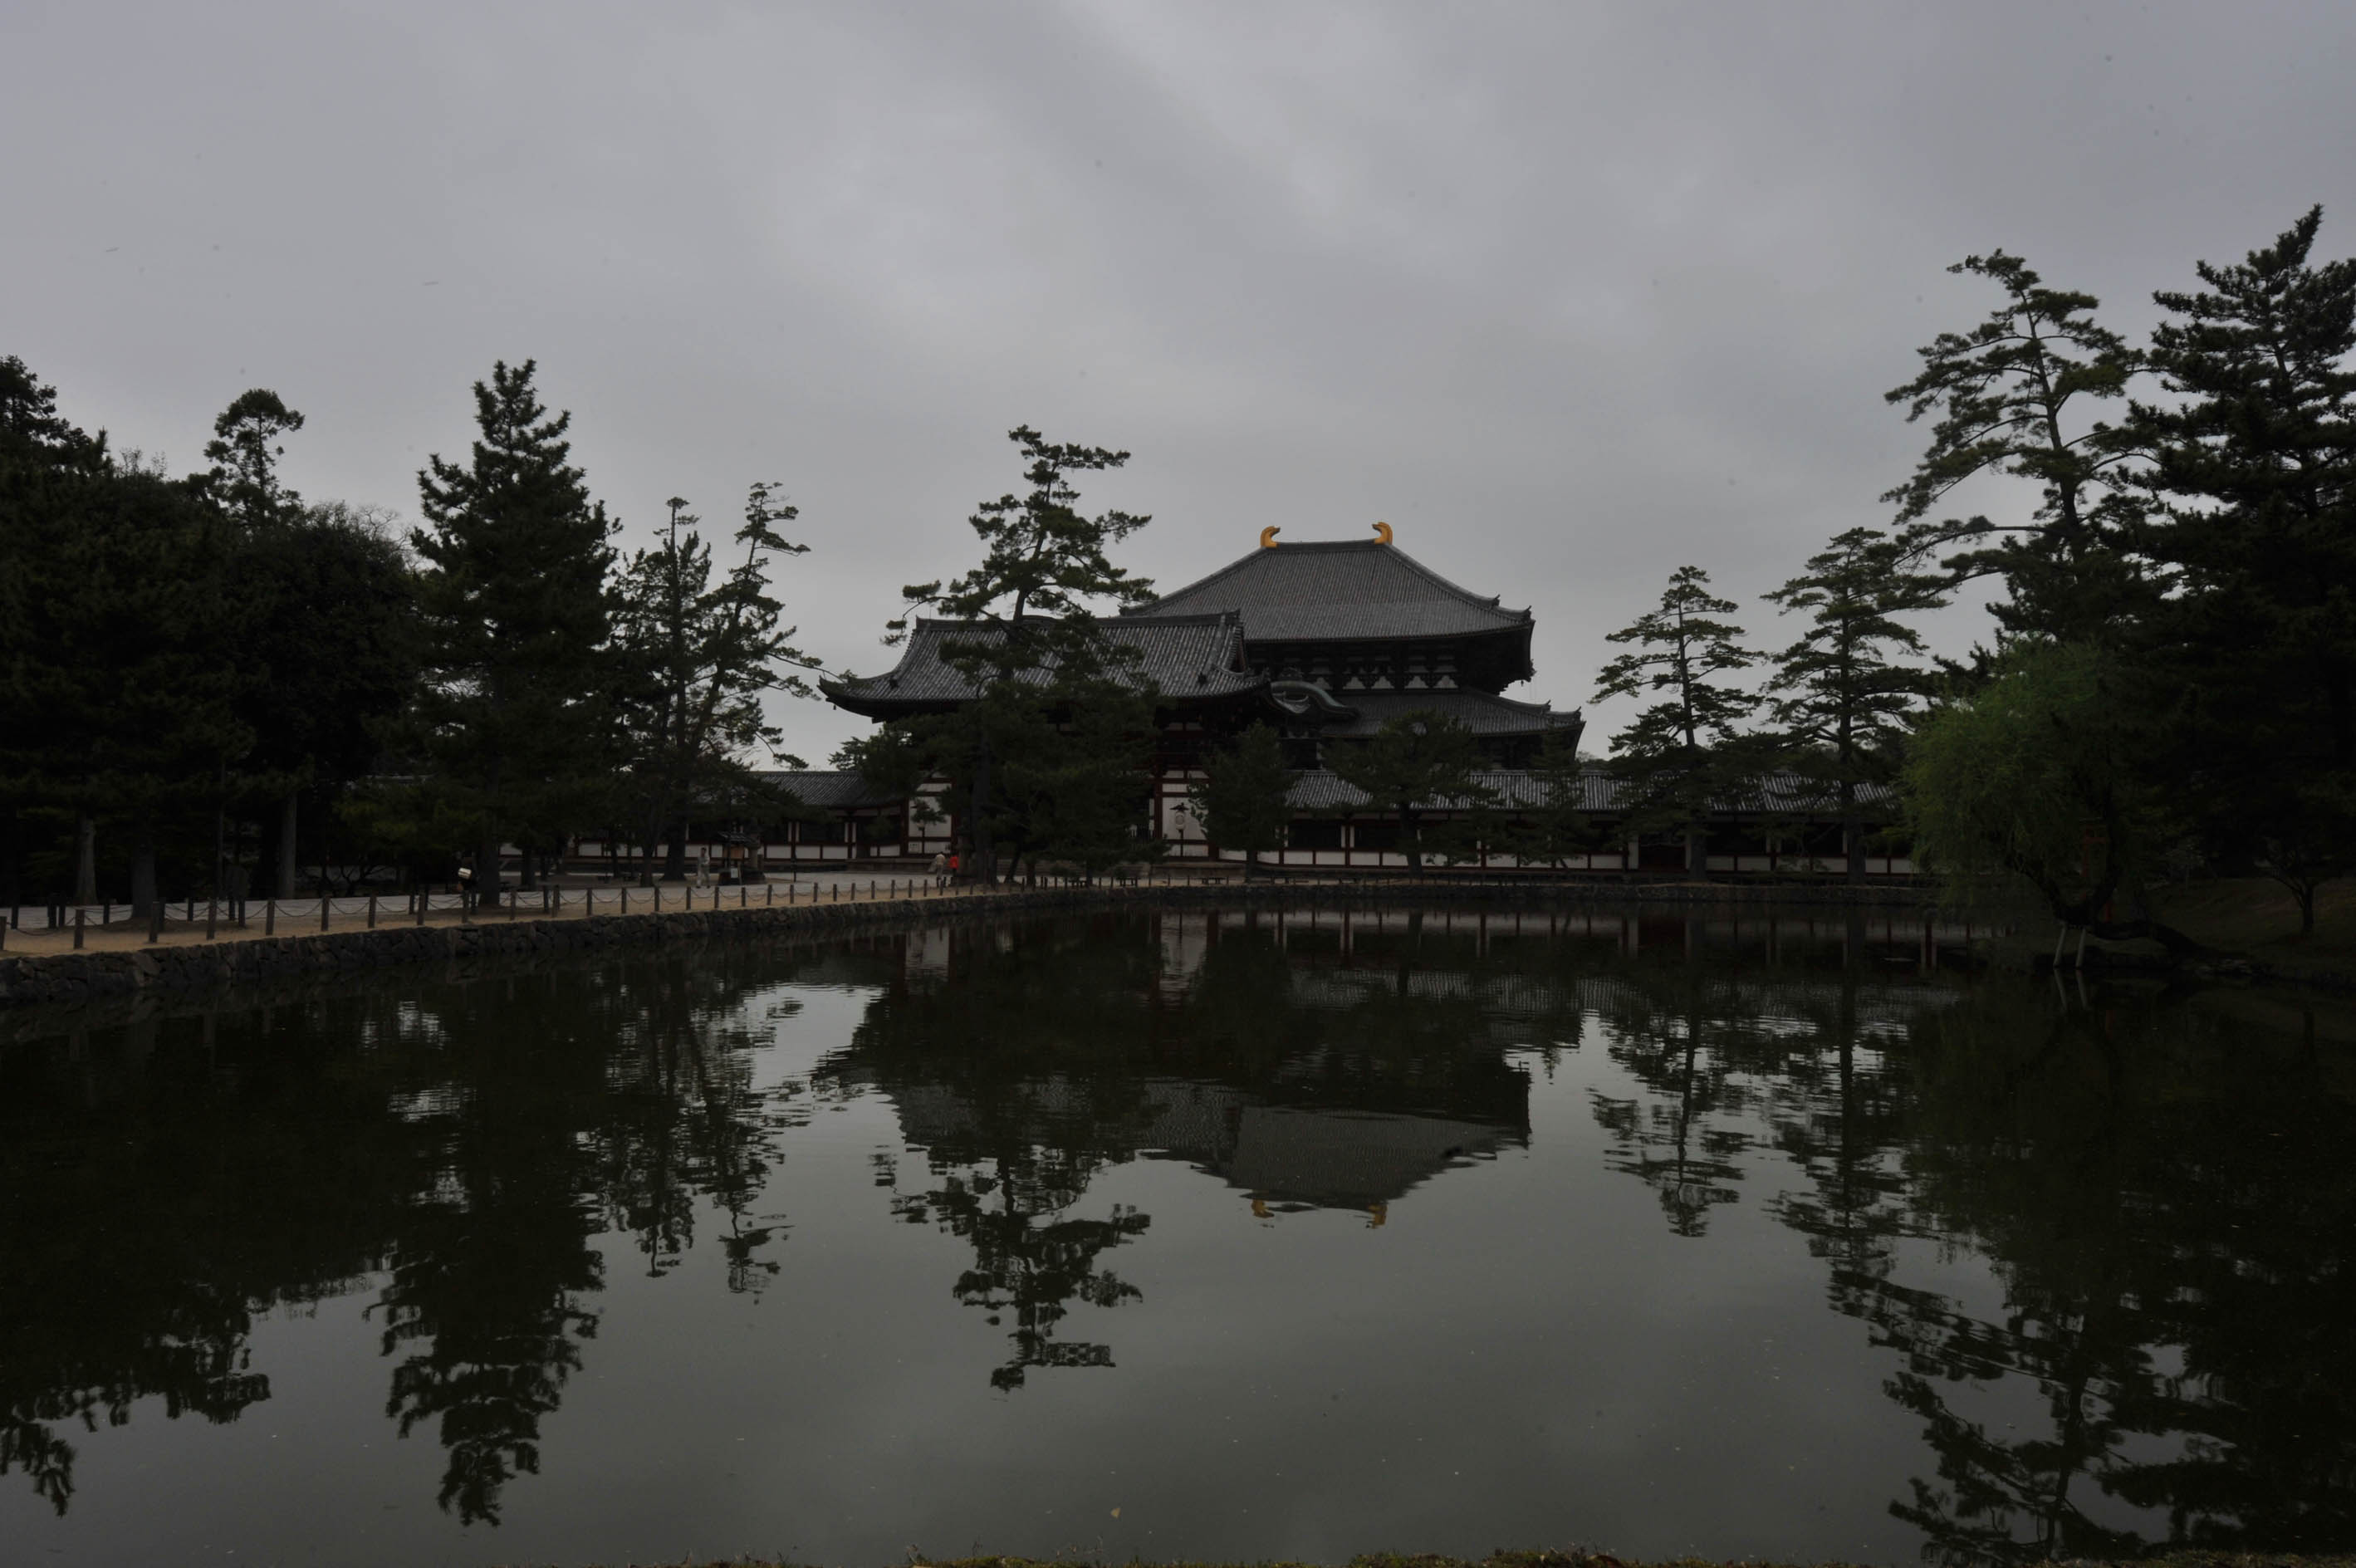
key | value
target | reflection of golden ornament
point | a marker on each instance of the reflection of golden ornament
(1268, 537)
(1380, 1211)
(1382, 533)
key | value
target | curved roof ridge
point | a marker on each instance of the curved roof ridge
(1337, 588)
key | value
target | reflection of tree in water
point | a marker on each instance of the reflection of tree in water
(158, 1194)
(1050, 1052)
(1019, 1074)
(163, 1188)
(2165, 1202)
(618, 1096)
(2168, 1207)
(1687, 1039)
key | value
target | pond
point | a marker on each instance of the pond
(1212, 1235)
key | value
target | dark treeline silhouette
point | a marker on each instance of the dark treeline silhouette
(2170, 684)
(209, 686)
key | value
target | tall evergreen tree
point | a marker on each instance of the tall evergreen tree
(323, 610)
(1243, 799)
(513, 606)
(115, 701)
(695, 659)
(1672, 756)
(2012, 396)
(1419, 761)
(244, 452)
(1842, 697)
(2257, 460)
(1033, 602)
(45, 461)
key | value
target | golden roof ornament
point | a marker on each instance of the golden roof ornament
(1382, 533)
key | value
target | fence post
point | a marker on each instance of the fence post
(419, 900)
(80, 915)
(371, 925)
(212, 915)
(270, 916)
(156, 923)
(326, 900)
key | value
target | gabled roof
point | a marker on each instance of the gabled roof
(1336, 590)
(1483, 713)
(1515, 790)
(827, 790)
(1184, 657)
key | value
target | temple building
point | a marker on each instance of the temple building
(1324, 640)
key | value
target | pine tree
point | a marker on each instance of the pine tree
(2257, 642)
(1841, 699)
(1083, 781)
(244, 451)
(1558, 826)
(2012, 395)
(1243, 801)
(321, 600)
(513, 606)
(1671, 756)
(1033, 602)
(695, 659)
(1420, 761)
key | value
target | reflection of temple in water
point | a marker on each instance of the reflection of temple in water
(1283, 1155)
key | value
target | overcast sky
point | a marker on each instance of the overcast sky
(1569, 294)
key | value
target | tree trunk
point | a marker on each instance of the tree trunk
(1697, 851)
(11, 890)
(984, 866)
(2305, 891)
(85, 889)
(143, 868)
(1852, 833)
(288, 870)
(675, 853)
(486, 865)
(528, 871)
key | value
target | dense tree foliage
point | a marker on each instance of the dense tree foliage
(1242, 800)
(1034, 657)
(1843, 691)
(1417, 763)
(513, 710)
(695, 659)
(1672, 757)
(2195, 560)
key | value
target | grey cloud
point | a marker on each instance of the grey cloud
(1533, 283)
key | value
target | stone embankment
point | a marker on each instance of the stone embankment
(240, 959)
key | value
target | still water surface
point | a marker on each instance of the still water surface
(1222, 1236)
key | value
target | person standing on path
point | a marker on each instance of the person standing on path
(941, 870)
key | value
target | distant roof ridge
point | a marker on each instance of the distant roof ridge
(1447, 589)
(1204, 618)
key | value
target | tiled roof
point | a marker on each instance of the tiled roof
(1483, 713)
(1184, 656)
(827, 790)
(1514, 790)
(1336, 590)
